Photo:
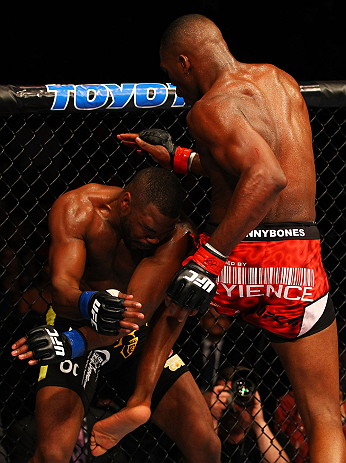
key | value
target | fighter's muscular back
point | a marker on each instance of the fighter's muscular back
(87, 247)
(250, 117)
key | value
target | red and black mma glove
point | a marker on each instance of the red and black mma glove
(181, 158)
(48, 346)
(104, 309)
(194, 285)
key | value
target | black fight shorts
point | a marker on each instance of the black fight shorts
(119, 362)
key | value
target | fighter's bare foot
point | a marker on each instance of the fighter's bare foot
(108, 432)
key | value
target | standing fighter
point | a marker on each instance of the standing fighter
(105, 239)
(253, 139)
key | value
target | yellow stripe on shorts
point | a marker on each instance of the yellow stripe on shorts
(50, 316)
(43, 372)
(50, 319)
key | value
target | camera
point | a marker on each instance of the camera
(244, 386)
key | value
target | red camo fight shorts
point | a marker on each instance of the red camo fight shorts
(275, 279)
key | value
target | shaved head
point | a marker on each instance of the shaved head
(187, 32)
(194, 53)
(159, 187)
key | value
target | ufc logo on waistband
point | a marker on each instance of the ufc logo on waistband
(204, 283)
(58, 345)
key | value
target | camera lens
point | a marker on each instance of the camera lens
(243, 387)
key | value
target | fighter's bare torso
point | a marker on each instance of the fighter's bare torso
(266, 100)
(90, 214)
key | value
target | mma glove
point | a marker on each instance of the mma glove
(194, 285)
(181, 158)
(104, 309)
(49, 346)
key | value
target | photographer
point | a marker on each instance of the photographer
(239, 421)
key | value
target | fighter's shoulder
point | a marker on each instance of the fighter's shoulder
(80, 204)
(210, 102)
(281, 75)
(279, 82)
(73, 199)
(215, 106)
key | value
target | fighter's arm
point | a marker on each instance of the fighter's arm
(67, 254)
(148, 284)
(68, 226)
(69, 221)
(159, 153)
(238, 149)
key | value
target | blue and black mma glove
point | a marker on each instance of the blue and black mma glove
(104, 309)
(49, 346)
(194, 285)
(181, 158)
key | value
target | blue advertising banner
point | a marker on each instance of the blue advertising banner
(126, 97)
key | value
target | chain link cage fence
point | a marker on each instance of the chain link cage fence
(57, 138)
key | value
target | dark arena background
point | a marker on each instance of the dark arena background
(57, 138)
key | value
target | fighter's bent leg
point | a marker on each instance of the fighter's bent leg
(184, 416)
(312, 365)
(59, 415)
(163, 332)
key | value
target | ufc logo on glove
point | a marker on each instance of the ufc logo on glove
(205, 283)
(104, 309)
(58, 345)
(94, 312)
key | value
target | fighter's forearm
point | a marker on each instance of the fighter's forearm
(251, 201)
(65, 300)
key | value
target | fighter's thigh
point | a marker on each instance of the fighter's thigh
(312, 365)
(59, 414)
(183, 413)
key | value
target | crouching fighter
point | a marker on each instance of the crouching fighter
(104, 240)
